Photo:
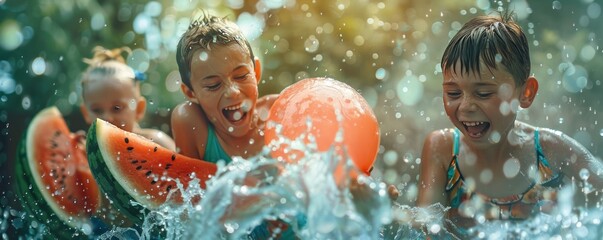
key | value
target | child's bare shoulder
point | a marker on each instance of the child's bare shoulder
(441, 138)
(549, 138)
(158, 137)
(186, 110)
(438, 146)
(559, 147)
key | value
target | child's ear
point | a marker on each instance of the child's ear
(85, 114)
(141, 108)
(257, 69)
(528, 93)
(188, 93)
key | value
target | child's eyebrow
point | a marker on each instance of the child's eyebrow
(209, 77)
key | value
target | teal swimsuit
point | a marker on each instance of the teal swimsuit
(213, 150)
(458, 193)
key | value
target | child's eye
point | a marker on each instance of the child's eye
(242, 77)
(484, 94)
(453, 94)
(116, 108)
(213, 87)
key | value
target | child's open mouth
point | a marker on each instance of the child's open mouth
(476, 129)
(234, 113)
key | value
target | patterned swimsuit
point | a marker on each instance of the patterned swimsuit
(458, 192)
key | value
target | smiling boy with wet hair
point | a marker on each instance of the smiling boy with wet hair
(486, 79)
(223, 115)
(220, 78)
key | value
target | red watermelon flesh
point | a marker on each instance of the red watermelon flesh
(145, 170)
(59, 168)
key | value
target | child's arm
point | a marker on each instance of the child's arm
(189, 129)
(435, 156)
(159, 137)
(437, 151)
(574, 160)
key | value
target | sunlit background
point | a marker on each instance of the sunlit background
(389, 50)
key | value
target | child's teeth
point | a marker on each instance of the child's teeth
(232, 108)
(473, 124)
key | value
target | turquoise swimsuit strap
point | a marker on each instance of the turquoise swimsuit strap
(539, 154)
(213, 150)
(455, 145)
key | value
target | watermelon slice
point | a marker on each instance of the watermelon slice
(53, 180)
(129, 167)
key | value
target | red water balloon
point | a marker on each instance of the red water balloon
(320, 107)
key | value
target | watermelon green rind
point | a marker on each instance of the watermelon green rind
(34, 202)
(129, 167)
(109, 185)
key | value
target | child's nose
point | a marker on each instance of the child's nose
(232, 90)
(467, 103)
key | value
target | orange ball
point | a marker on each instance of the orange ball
(320, 107)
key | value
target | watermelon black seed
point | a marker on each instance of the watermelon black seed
(139, 167)
(155, 149)
(153, 182)
(173, 157)
(130, 149)
(143, 161)
(134, 161)
(127, 140)
(167, 166)
(148, 173)
(168, 188)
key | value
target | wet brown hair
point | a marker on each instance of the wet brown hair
(202, 33)
(489, 40)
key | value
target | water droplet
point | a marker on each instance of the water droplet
(230, 129)
(132, 104)
(584, 174)
(511, 167)
(203, 56)
(246, 105)
(486, 176)
(26, 103)
(38, 66)
(237, 115)
(494, 137)
(251, 141)
(498, 58)
(435, 228)
(311, 44)
(381, 73)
